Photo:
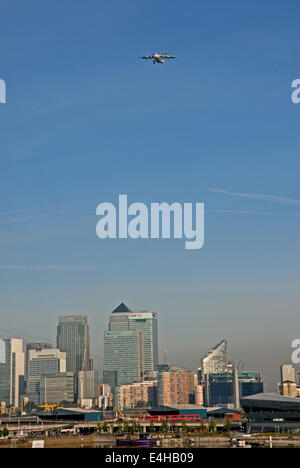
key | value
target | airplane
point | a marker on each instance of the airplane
(158, 57)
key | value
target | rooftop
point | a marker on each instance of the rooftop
(122, 308)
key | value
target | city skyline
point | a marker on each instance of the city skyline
(85, 120)
(191, 365)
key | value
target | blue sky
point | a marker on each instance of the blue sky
(85, 121)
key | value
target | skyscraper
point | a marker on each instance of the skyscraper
(130, 344)
(122, 356)
(73, 338)
(34, 347)
(216, 360)
(42, 362)
(12, 363)
(175, 387)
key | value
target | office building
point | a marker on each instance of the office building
(222, 388)
(38, 346)
(42, 361)
(73, 338)
(57, 388)
(287, 373)
(123, 356)
(216, 360)
(88, 383)
(130, 344)
(105, 396)
(12, 364)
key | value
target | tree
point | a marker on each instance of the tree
(227, 426)
(164, 427)
(212, 426)
(202, 427)
(4, 432)
(152, 427)
(184, 427)
(105, 427)
(99, 427)
(126, 426)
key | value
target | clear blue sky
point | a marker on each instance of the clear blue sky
(85, 121)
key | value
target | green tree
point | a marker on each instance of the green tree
(105, 427)
(184, 427)
(99, 428)
(126, 426)
(212, 426)
(164, 427)
(227, 426)
(4, 432)
(152, 427)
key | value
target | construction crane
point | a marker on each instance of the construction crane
(49, 408)
(120, 413)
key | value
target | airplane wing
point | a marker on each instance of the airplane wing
(148, 57)
(168, 56)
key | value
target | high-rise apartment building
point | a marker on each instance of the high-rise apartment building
(130, 344)
(73, 338)
(175, 387)
(216, 360)
(12, 363)
(42, 362)
(142, 393)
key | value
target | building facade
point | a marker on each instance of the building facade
(130, 344)
(73, 338)
(175, 387)
(143, 394)
(88, 383)
(221, 387)
(287, 373)
(57, 388)
(42, 362)
(216, 360)
(12, 370)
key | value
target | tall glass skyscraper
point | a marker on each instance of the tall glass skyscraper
(130, 344)
(73, 338)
